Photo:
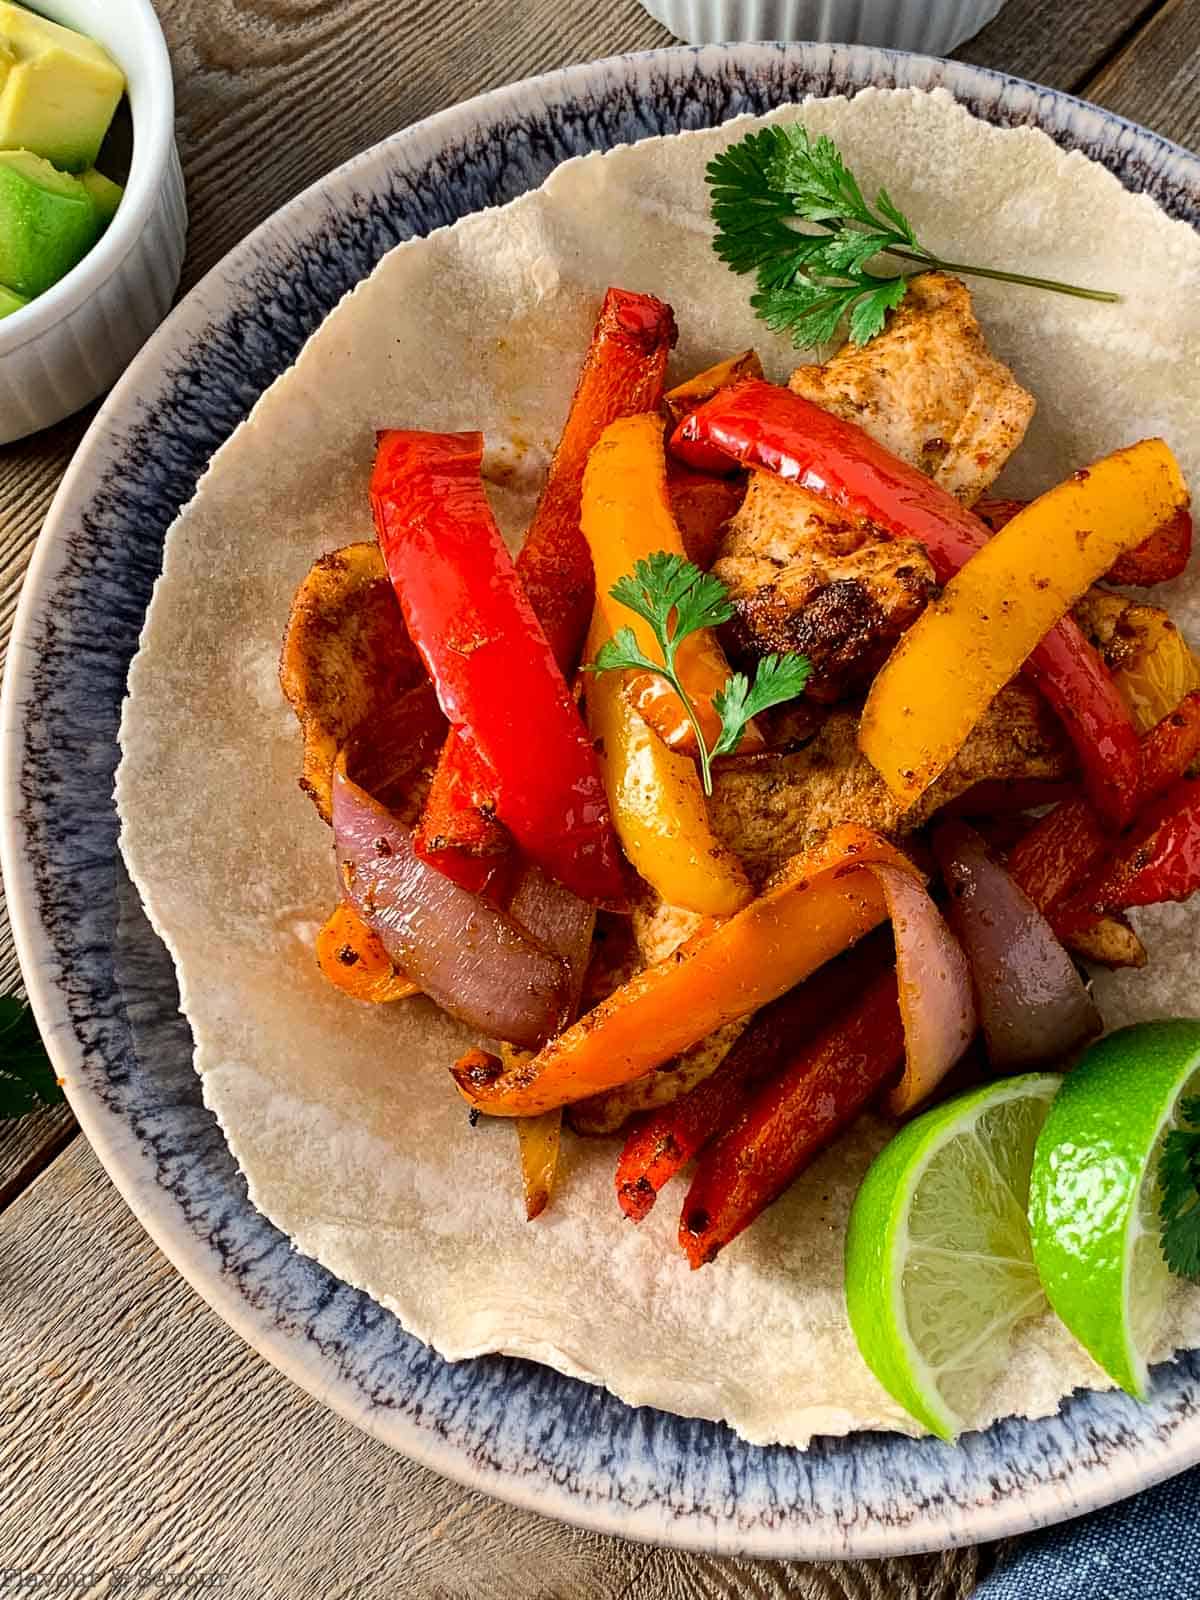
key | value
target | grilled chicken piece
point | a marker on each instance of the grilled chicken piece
(929, 389)
(769, 807)
(348, 665)
(805, 577)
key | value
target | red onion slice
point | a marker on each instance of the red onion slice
(1033, 1006)
(934, 982)
(557, 919)
(478, 964)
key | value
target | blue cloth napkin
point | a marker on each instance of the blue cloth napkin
(1147, 1548)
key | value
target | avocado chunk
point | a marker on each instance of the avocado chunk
(105, 194)
(10, 301)
(58, 89)
(48, 222)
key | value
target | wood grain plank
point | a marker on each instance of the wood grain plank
(1155, 79)
(340, 78)
(139, 1432)
(1034, 39)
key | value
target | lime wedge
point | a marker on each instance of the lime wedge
(1093, 1200)
(938, 1264)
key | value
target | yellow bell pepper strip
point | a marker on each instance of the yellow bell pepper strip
(538, 1139)
(626, 518)
(353, 958)
(999, 606)
(826, 902)
(656, 802)
(761, 425)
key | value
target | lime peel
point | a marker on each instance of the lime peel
(949, 1193)
(1093, 1205)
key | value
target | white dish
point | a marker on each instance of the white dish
(74, 341)
(934, 27)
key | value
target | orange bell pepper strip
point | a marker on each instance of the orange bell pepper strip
(825, 904)
(627, 517)
(791, 1119)
(685, 397)
(352, 957)
(662, 1142)
(995, 611)
(657, 804)
(622, 374)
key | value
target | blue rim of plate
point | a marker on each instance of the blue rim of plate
(103, 988)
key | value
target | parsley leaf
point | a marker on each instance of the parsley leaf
(808, 281)
(27, 1079)
(1179, 1193)
(776, 679)
(677, 599)
(622, 652)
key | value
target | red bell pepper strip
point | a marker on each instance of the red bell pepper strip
(1163, 556)
(622, 375)
(1158, 859)
(458, 832)
(1062, 849)
(495, 676)
(1170, 747)
(702, 506)
(828, 1081)
(996, 797)
(1057, 851)
(663, 1141)
(762, 425)
(1079, 688)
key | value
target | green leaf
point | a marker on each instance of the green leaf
(813, 172)
(776, 680)
(27, 1079)
(892, 214)
(847, 252)
(704, 604)
(811, 312)
(676, 598)
(765, 188)
(1179, 1193)
(870, 313)
(621, 653)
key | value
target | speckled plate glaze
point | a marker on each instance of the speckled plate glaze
(104, 988)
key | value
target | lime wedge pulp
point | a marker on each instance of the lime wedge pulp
(939, 1269)
(1093, 1202)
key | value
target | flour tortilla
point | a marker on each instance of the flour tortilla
(343, 1117)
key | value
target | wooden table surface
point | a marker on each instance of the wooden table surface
(139, 1438)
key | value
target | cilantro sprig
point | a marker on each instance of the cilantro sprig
(677, 599)
(27, 1079)
(808, 282)
(1179, 1193)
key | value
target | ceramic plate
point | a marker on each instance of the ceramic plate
(104, 989)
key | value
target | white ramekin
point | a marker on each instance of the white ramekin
(931, 27)
(71, 343)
